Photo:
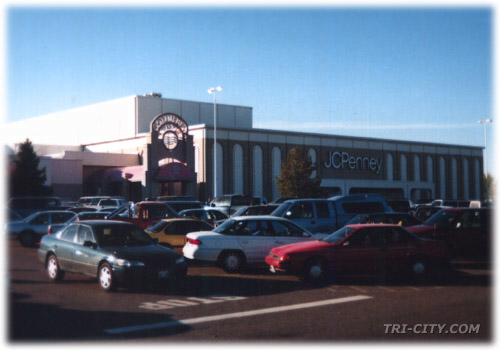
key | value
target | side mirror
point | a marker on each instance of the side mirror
(90, 244)
(212, 205)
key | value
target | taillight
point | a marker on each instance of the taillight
(194, 241)
(49, 230)
(285, 257)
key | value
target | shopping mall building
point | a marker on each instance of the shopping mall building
(145, 146)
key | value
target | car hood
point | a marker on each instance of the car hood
(300, 247)
(150, 255)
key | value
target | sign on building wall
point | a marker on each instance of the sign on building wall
(352, 163)
(171, 129)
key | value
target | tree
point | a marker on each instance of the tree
(295, 176)
(27, 179)
(489, 187)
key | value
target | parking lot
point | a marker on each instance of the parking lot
(252, 306)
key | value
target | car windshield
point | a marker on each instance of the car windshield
(28, 218)
(226, 227)
(121, 235)
(160, 225)
(338, 235)
(282, 209)
(444, 218)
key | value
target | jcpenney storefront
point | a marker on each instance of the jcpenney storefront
(146, 146)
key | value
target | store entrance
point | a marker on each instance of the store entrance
(173, 188)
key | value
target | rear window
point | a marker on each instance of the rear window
(242, 200)
(362, 207)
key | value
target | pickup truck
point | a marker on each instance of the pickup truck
(143, 214)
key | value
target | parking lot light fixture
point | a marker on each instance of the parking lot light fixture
(484, 122)
(214, 92)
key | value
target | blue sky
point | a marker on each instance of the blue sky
(420, 74)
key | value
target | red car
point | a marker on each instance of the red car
(464, 230)
(359, 249)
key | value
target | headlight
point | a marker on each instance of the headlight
(179, 260)
(126, 263)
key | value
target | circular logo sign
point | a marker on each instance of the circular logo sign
(172, 130)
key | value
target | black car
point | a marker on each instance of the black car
(117, 253)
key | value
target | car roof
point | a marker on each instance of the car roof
(103, 222)
(358, 226)
(261, 217)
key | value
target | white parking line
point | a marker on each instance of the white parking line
(235, 315)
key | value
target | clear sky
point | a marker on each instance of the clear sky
(420, 74)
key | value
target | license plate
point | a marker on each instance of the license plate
(163, 274)
(272, 269)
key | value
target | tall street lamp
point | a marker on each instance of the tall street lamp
(214, 91)
(484, 122)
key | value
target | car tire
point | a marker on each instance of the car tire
(53, 270)
(105, 277)
(315, 271)
(418, 268)
(27, 238)
(232, 261)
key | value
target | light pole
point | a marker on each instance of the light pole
(214, 91)
(484, 122)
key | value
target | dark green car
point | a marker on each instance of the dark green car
(117, 253)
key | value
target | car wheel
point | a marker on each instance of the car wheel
(106, 277)
(53, 270)
(418, 267)
(315, 271)
(27, 238)
(232, 262)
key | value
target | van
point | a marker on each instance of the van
(328, 215)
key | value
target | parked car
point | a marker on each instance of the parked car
(400, 205)
(465, 230)
(94, 200)
(179, 205)
(92, 215)
(450, 203)
(25, 206)
(172, 233)
(231, 203)
(327, 215)
(423, 212)
(208, 215)
(110, 203)
(243, 240)
(256, 210)
(402, 219)
(81, 209)
(143, 214)
(359, 249)
(117, 253)
(29, 230)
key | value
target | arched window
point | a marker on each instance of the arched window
(477, 179)
(257, 172)
(454, 178)
(237, 169)
(430, 174)
(466, 179)
(276, 168)
(389, 167)
(416, 168)
(312, 156)
(442, 178)
(404, 168)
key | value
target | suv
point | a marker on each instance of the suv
(230, 203)
(328, 215)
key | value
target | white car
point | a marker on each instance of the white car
(244, 240)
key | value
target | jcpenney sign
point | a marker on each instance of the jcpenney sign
(343, 160)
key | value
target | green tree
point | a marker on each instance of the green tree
(489, 187)
(295, 176)
(27, 179)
